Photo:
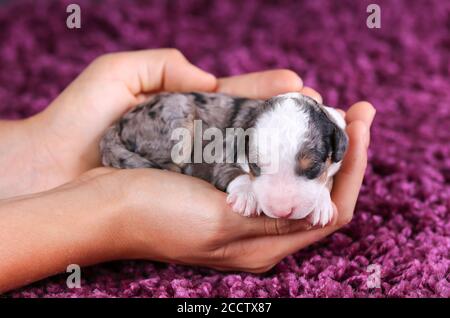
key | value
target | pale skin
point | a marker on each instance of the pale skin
(59, 207)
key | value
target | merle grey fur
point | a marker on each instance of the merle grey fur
(325, 140)
(142, 137)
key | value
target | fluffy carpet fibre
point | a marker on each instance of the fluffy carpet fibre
(402, 220)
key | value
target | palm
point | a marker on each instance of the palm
(75, 121)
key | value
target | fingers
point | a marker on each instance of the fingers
(153, 70)
(363, 111)
(348, 180)
(263, 226)
(180, 75)
(308, 91)
(260, 253)
(345, 192)
(243, 227)
(261, 84)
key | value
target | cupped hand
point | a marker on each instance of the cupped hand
(62, 141)
(175, 218)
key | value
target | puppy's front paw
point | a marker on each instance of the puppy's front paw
(323, 212)
(241, 196)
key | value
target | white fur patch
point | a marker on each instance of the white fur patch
(279, 191)
(241, 196)
(286, 126)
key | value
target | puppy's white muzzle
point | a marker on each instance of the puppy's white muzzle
(286, 198)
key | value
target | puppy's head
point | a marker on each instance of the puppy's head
(299, 147)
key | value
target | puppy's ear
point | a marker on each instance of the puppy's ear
(339, 143)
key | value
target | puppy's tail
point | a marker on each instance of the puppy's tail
(119, 154)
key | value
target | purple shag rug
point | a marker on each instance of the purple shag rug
(402, 221)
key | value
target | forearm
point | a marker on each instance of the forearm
(41, 234)
(16, 162)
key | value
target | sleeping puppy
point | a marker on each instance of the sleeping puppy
(275, 157)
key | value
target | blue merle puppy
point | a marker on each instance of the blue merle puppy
(291, 178)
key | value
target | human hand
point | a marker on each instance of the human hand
(160, 215)
(61, 142)
(171, 217)
(208, 234)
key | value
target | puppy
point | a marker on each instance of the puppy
(280, 163)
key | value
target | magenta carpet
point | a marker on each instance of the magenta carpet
(402, 221)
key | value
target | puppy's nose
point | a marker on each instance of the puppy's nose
(285, 213)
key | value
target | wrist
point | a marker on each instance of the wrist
(21, 159)
(111, 219)
(13, 148)
(101, 219)
(44, 233)
(135, 223)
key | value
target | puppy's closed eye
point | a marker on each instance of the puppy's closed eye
(310, 164)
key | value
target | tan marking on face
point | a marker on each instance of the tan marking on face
(305, 162)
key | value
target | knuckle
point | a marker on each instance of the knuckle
(292, 77)
(111, 60)
(289, 74)
(105, 58)
(173, 53)
(283, 226)
(267, 227)
(276, 226)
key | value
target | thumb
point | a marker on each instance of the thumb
(150, 71)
